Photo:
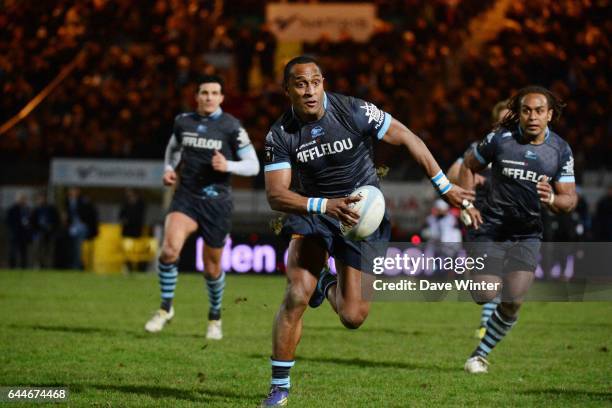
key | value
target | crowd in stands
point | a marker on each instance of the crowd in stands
(121, 99)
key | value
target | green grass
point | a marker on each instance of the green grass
(86, 332)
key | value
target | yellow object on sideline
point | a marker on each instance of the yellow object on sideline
(109, 251)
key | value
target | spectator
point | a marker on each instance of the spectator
(45, 224)
(82, 224)
(20, 232)
(132, 215)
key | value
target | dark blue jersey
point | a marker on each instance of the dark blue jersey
(198, 137)
(512, 208)
(332, 156)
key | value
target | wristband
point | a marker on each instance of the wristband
(466, 204)
(551, 198)
(316, 205)
(441, 183)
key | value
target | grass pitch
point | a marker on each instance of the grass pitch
(86, 332)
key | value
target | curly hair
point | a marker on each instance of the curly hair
(514, 105)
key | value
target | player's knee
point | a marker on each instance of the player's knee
(298, 295)
(169, 253)
(482, 297)
(511, 308)
(353, 318)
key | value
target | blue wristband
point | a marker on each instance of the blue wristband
(441, 183)
(316, 205)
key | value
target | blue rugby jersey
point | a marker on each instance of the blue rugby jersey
(512, 206)
(332, 156)
(198, 137)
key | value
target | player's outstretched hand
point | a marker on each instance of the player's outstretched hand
(341, 209)
(219, 162)
(169, 178)
(456, 195)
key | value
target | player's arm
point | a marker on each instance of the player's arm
(247, 166)
(468, 170)
(172, 158)
(454, 170)
(398, 134)
(563, 199)
(281, 198)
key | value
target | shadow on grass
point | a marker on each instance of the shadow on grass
(383, 330)
(196, 395)
(361, 363)
(570, 394)
(138, 334)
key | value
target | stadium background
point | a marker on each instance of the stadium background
(89, 92)
(104, 80)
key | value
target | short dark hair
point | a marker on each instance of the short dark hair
(514, 105)
(302, 59)
(207, 79)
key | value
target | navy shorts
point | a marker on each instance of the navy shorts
(213, 215)
(357, 254)
(504, 255)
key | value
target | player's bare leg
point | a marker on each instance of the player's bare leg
(215, 284)
(346, 297)
(178, 227)
(304, 262)
(515, 287)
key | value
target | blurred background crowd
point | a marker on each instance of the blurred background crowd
(437, 65)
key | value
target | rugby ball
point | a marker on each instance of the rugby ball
(371, 210)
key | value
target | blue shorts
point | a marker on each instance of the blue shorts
(504, 255)
(357, 254)
(213, 215)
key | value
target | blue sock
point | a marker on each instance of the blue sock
(215, 296)
(168, 276)
(487, 311)
(497, 327)
(280, 373)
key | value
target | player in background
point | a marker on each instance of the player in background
(526, 156)
(210, 145)
(324, 145)
(481, 185)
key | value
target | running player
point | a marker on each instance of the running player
(327, 141)
(525, 156)
(209, 145)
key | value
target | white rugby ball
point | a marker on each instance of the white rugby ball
(371, 210)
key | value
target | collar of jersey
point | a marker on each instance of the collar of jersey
(520, 129)
(213, 116)
(324, 107)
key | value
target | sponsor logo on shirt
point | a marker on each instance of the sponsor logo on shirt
(374, 114)
(317, 131)
(530, 155)
(522, 174)
(568, 168)
(202, 143)
(325, 149)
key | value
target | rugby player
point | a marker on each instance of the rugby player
(526, 157)
(209, 145)
(327, 141)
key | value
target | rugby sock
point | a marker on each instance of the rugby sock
(487, 311)
(280, 373)
(215, 296)
(168, 275)
(497, 326)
